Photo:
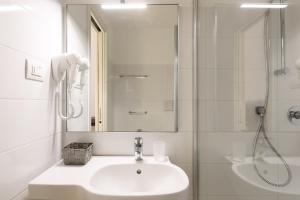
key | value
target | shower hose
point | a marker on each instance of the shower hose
(261, 111)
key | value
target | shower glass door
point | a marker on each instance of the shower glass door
(248, 79)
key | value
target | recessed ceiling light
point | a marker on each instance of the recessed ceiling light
(259, 5)
(123, 6)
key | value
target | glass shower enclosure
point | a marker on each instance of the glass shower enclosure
(248, 99)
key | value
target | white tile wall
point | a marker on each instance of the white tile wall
(216, 147)
(20, 165)
(30, 132)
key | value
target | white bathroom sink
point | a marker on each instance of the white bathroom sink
(112, 178)
(139, 179)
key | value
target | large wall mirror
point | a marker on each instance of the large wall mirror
(131, 83)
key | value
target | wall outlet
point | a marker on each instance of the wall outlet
(34, 71)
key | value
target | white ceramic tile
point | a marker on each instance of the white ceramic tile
(43, 40)
(225, 84)
(185, 115)
(225, 52)
(288, 144)
(253, 44)
(207, 83)
(207, 52)
(207, 22)
(26, 120)
(21, 165)
(287, 86)
(254, 85)
(292, 38)
(216, 147)
(225, 115)
(185, 83)
(206, 116)
(183, 145)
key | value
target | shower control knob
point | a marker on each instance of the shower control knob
(293, 114)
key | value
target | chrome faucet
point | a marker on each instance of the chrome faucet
(138, 148)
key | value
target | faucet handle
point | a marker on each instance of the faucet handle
(138, 141)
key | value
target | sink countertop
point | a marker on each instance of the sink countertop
(61, 174)
(73, 182)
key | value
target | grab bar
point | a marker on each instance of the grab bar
(133, 76)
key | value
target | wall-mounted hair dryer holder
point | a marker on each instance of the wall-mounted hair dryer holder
(66, 67)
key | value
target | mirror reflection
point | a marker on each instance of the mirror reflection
(131, 83)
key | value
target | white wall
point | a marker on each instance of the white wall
(179, 145)
(218, 122)
(30, 139)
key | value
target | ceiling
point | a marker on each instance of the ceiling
(153, 16)
(180, 2)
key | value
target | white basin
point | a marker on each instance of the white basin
(112, 178)
(274, 171)
(139, 179)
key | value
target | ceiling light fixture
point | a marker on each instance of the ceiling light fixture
(123, 6)
(260, 5)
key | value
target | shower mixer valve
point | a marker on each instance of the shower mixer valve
(293, 114)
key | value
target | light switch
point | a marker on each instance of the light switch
(34, 71)
(37, 71)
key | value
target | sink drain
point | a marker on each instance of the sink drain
(138, 171)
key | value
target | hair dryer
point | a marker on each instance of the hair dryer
(71, 65)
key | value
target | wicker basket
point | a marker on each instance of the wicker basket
(77, 153)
